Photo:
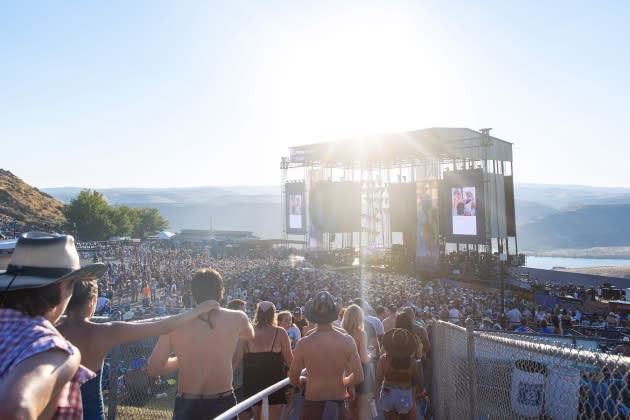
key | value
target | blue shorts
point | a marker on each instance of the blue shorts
(202, 409)
(399, 400)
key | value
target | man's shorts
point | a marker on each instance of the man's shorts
(200, 407)
(318, 410)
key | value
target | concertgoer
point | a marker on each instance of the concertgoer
(284, 320)
(266, 359)
(204, 351)
(352, 323)
(40, 371)
(237, 361)
(396, 375)
(94, 340)
(326, 354)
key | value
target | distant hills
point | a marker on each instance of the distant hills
(549, 217)
(255, 209)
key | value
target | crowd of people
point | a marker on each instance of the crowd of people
(266, 314)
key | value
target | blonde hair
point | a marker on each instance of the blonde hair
(265, 317)
(284, 314)
(352, 319)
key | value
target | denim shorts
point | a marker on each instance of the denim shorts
(395, 399)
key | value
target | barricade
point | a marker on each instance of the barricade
(484, 375)
(129, 392)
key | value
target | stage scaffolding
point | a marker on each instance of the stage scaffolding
(379, 161)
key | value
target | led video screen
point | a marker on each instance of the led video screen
(427, 233)
(463, 218)
(510, 213)
(296, 214)
(335, 206)
(402, 207)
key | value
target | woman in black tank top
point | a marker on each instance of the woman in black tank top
(266, 359)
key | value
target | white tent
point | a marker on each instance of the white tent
(162, 235)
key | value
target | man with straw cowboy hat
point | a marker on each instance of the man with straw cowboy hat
(40, 372)
(325, 353)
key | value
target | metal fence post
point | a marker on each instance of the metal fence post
(265, 408)
(112, 402)
(470, 341)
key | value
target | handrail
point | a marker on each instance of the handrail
(262, 395)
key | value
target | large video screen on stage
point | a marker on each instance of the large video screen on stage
(335, 206)
(510, 213)
(427, 229)
(296, 212)
(402, 207)
(464, 222)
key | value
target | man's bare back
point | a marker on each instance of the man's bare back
(203, 352)
(326, 354)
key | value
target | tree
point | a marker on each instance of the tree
(89, 216)
(124, 220)
(149, 221)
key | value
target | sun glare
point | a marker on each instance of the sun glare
(359, 74)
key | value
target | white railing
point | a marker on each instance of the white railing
(262, 395)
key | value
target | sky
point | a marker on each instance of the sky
(199, 93)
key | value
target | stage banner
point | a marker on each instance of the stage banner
(427, 227)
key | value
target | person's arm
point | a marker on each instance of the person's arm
(296, 365)
(124, 332)
(246, 331)
(354, 364)
(362, 347)
(379, 377)
(424, 338)
(237, 357)
(31, 389)
(160, 361)
(285, 344)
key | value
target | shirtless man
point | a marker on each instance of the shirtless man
(327, 354)
(204, 348)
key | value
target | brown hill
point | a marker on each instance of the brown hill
(27, 204)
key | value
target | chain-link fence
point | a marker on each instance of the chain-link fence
(484, 375)
(129, 392)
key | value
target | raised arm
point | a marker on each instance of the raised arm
(160, 361)
(31, 389)
(125, 332)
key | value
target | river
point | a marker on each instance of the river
(551, 262)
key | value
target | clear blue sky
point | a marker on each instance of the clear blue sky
(169, 94)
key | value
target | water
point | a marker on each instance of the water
(551, 262)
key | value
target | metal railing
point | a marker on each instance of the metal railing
(261, 396)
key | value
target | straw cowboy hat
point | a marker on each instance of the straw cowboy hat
(40, 259)
(399, 343)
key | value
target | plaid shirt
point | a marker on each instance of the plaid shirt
(23, 337)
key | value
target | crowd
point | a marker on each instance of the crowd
(317, 307)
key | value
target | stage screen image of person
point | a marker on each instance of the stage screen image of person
(464, 210)
(295, 211)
